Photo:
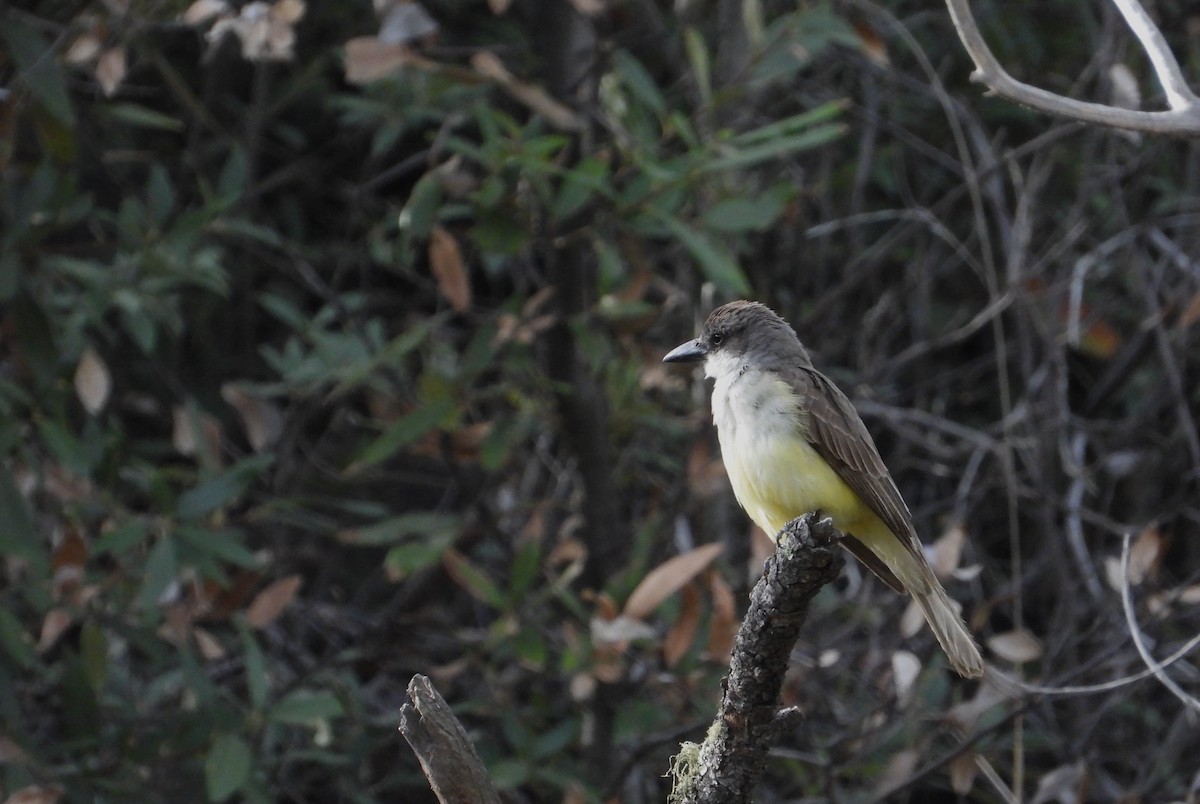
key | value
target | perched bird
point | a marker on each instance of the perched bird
(793, 443)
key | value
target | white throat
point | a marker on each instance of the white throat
(721, 364)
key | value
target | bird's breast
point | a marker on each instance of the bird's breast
(775, 472)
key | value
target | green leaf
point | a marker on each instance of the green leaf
(227, 766)
(474, 580)
(211, 495)
(159, 572)
(791, 125)
(18, 536)
(257, 681)
(428, 525)
(15, 641)
(141, 117)
(697, 52)
(405, 559)
(304, 707)
(121, 538)
(421, 211)
(771, 149)
(408, 429)
(638, 81)
(714, 261)
(93, 652)
(580, 183)
(525, 569)
(39, 68)
(226, 543)
(746, 214)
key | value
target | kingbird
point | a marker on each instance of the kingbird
(793, 443)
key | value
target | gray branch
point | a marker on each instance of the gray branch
(727, 765)
(448, 759)
(1183, 118)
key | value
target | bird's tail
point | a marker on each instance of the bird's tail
(949, 628)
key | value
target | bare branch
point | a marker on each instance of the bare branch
(1179, 94)
(1182, 119)
(454, 770)
(728, 764)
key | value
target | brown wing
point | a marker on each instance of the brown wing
(840, 437)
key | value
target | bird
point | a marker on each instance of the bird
(793, 443)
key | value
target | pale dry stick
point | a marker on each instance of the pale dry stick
(1170, 76)
(1074, 516)
(1136, 633)
(1183, 118)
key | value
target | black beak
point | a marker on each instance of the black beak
(690, 352)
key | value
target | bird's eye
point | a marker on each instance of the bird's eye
(717, 338)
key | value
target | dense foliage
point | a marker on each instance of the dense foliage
(329, 354)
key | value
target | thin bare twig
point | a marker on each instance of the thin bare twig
(1183, 118)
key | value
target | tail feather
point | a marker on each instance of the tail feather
(950, 630)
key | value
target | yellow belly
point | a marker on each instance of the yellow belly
(779, 478)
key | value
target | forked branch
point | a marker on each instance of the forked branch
(1182, 118)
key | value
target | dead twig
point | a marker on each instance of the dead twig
(727, 765)
(1182, 118)
(448, 759)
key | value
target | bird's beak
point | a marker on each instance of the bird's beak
(690, 352)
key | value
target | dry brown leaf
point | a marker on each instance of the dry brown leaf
(723, 627)
(906, 667)
(262, 418)
(202, 11)
(93, 383)
(288, 12)
(897, 771)
(368, 59)
(871, 43)
(85, 48)
(582, 687)
(11, 753)
(187, 441)
(590, 8)
(446, 260)
(1017, 646)
(912, 620)
(489, 65)
(110, 70)
(403, 22)
(210, 647)
(948, 550)
(988, 695)
(829, 657)
(963, 771)
(683, 631)
(1125, 92)
(56, 622)
(37, 794)
(69, 557)
(1146, 554)
(619, 630)
(1191, 313)
(271, 602)
(1066, 784)
(667, 578)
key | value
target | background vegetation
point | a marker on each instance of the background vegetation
(329, 354)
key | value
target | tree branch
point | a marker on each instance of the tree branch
(1183, 118)
(727, 765)
(448, 759)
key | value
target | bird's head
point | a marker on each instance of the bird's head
(740, 334)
